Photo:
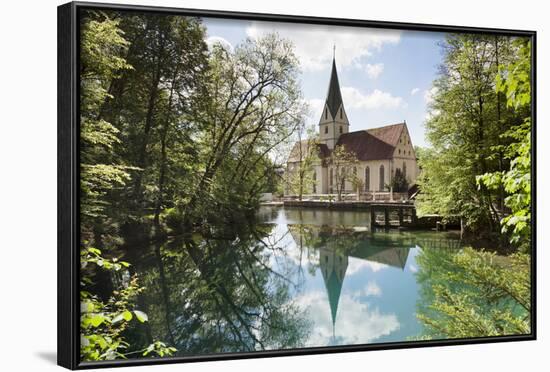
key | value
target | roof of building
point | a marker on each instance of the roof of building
(334, 96)
(372, 144)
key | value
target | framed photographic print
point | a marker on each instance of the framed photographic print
(237, 185)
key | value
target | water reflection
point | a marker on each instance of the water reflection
(297, 278)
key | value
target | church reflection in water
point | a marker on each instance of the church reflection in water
(334, 246)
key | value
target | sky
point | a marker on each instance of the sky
(385, 75)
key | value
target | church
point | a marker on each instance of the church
(380, 152)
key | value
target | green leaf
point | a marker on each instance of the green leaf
(127, 315)
(97, 320)
(141, 316)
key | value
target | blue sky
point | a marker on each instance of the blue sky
(385, 75)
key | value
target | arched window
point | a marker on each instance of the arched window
(381, 178)
(367, 179)
(404, 170)
(326, 129)
(341, 113)
(340, 129)
(326, 113)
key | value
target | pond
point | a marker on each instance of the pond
(296, 278)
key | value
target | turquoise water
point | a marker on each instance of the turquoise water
(296, 278)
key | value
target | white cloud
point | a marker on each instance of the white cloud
(356, 265)
(314, 43)
(371, 289)
(377, 99)
(373, 71)
(429, 95)
(351, 313)
(212, 40)
(414, 91)
(316, 106)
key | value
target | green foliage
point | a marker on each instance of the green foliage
(474, 294)
(300, 175)
(514, 80)
(103, 323)
(102, 47)
(177, 137)
(343, 163)
(399, 182)
(465, 128)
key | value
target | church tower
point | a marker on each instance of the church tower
(334, 120)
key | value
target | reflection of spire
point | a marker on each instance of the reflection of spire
(333, 268)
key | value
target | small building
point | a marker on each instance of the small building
(380, 152)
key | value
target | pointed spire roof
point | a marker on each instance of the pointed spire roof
(334, 289)
(334, 96)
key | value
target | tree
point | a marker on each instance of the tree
(464, 128)
(102, 48)
(253, 106)
(301, 175)
(399, 182)
(152, 108)
(342, 162)
(514, 81)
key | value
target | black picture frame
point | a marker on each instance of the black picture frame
(68, 183)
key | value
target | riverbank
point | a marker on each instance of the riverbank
(388, 214)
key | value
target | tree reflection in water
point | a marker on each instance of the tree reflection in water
(292, 279)
(211, 295)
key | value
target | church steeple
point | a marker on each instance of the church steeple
(334, 96)
(333, 268)
(334, 121)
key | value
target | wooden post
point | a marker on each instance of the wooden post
(386, 217)
(372, 218)
(400, 212)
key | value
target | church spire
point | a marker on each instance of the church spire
(334, 96)
(334, 121)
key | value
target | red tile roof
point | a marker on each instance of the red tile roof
(371, 144)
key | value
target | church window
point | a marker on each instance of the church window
(340, 113)
(340, 129)
(367, 179)
(381, 178)
(326, 113)
(326, 129)
(399, 151)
